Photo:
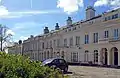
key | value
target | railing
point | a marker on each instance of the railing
(108, 40)
(104, 40)
(114, 39)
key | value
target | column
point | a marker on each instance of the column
(118, 57)
(99, 59)
(108, 57)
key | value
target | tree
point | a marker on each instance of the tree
(4, 36)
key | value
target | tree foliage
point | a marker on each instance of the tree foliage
(17, 66)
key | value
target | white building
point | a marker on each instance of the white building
(96, 40)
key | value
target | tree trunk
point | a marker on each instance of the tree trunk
(1, 44)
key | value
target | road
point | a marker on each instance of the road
(93, 72)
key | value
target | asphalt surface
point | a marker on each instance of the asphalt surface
(92, 72)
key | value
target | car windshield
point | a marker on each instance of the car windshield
(47, 61)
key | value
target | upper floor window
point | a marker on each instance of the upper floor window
(43, 45)
(54, 42)
(114, 16)
(95, 37)
(116, 33)
(74, 28)
(71, 41)
(47, 45)
(105, 18)
(50, 43)
(58, 42)
(69, 29)
(87, 39)
(106, 34)
(109, 17)
(65, 42)
(77, 40)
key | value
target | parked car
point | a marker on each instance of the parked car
(56, 63)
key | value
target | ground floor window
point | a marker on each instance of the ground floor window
(86, 56)
(74, 56)
(48, 54)
(95, 56)
(44, 55)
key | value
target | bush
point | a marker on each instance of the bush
(17, 66)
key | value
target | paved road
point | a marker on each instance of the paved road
(93, 72)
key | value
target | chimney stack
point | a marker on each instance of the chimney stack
(57, 26)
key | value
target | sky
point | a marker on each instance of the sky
(29, 17)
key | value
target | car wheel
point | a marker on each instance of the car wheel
(66, 69)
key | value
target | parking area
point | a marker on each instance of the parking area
(93, 72)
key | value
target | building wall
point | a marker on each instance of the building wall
(77, 53)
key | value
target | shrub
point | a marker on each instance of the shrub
(17, 66)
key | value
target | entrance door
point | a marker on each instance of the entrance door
(105, 58)
(115, 58)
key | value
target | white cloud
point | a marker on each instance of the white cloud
(70, 6)
(101, 2)
(23, 38)
(5, 13)
(10, 32)
(27, 25)
(112, 3)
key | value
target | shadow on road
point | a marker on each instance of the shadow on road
(68, 72)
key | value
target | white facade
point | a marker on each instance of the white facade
(95, 40)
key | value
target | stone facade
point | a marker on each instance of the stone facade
(95, 40)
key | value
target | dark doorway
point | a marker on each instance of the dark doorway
(105, 58)
(115, 58)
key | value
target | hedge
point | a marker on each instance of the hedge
(18, 66)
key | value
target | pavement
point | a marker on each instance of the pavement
(92, 72)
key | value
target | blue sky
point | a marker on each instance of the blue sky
(29, 17)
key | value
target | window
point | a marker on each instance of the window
(74, 56)
(48, 56)
(74, 28)
(87, 39)
(95, 56)
(95, 35)
(106, 34)
(50, 43)
(105, 18)
(86, 56)
(58, 42)
(116, 33)
(109, 17)
(54, 42)
(71, 41)
(77, 40)
(69, 29)
(115, 16)
(44, 55)
(43, 45)
(61, 61)
(65, 42)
